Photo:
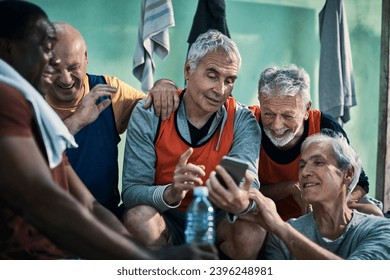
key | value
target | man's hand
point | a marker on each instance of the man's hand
(265, 214)
(165, 98)
(297, 196)
(185, 177)
(357, 193)
(356, 201)
(233, 199)
(88, 111)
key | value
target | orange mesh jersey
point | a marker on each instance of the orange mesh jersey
(170, 146)
(271, 172)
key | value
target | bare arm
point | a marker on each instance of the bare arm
(280, 190)
(29, 190)
(299, 245)
(284, 189)
(81, 193)
(357, 193)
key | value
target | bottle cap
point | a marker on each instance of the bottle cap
(198, 191)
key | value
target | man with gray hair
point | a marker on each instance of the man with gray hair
(165, 160)
(328, 171)
(286, 120)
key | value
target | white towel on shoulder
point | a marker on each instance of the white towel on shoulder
(55, 134)
(156, 18)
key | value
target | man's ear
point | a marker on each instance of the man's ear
(86, 55)
(5, 48)
(187, 69)
(348, 176)
(308, 106)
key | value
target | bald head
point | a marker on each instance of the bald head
(66, 86)
(69, 37)
(71, 46)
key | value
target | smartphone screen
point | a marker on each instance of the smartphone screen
(235, 167)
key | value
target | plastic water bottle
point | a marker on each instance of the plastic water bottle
(200, 218)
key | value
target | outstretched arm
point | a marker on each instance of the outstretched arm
(82, 195)
(298, 244)
(28, 189)
(284, 189)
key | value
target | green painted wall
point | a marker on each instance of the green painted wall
(266, 32)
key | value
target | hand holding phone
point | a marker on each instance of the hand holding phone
(235, 167)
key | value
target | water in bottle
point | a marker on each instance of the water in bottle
(200, 219)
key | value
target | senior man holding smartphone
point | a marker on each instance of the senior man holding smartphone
(165, 160)
(328, 172)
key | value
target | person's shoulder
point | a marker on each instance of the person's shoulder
(15, 112)
(244, 113)
(8, 90)
(302, 221)
(141, 113)
(326, 116)
(140, 104)
(372, 220)
(143, 119)
(254, 108)
(11, 95)
(114, 80)
(327, 121)
(126, 90)
(243, 108)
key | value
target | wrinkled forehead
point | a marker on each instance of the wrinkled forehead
(320, 148)
(286, 102)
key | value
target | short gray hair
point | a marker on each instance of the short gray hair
(211, 41)
(342, 152)
(285, 81)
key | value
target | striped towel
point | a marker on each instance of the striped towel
(153, 36)
(55, 134)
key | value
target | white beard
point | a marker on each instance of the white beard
(279, 142)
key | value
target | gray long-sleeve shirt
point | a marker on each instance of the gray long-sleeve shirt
(140, 157)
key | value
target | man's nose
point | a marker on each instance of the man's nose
(219, 88)
(305, 171)
(65, 76)
(277, 123)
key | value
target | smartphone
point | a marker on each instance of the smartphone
(235, 167)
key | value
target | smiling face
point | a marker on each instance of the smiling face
(210, 83)
(320, 178)
(33, 54)
(67, 83)
(283, 119)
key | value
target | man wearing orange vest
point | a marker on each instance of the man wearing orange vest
(165, 160)
(286, 120)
